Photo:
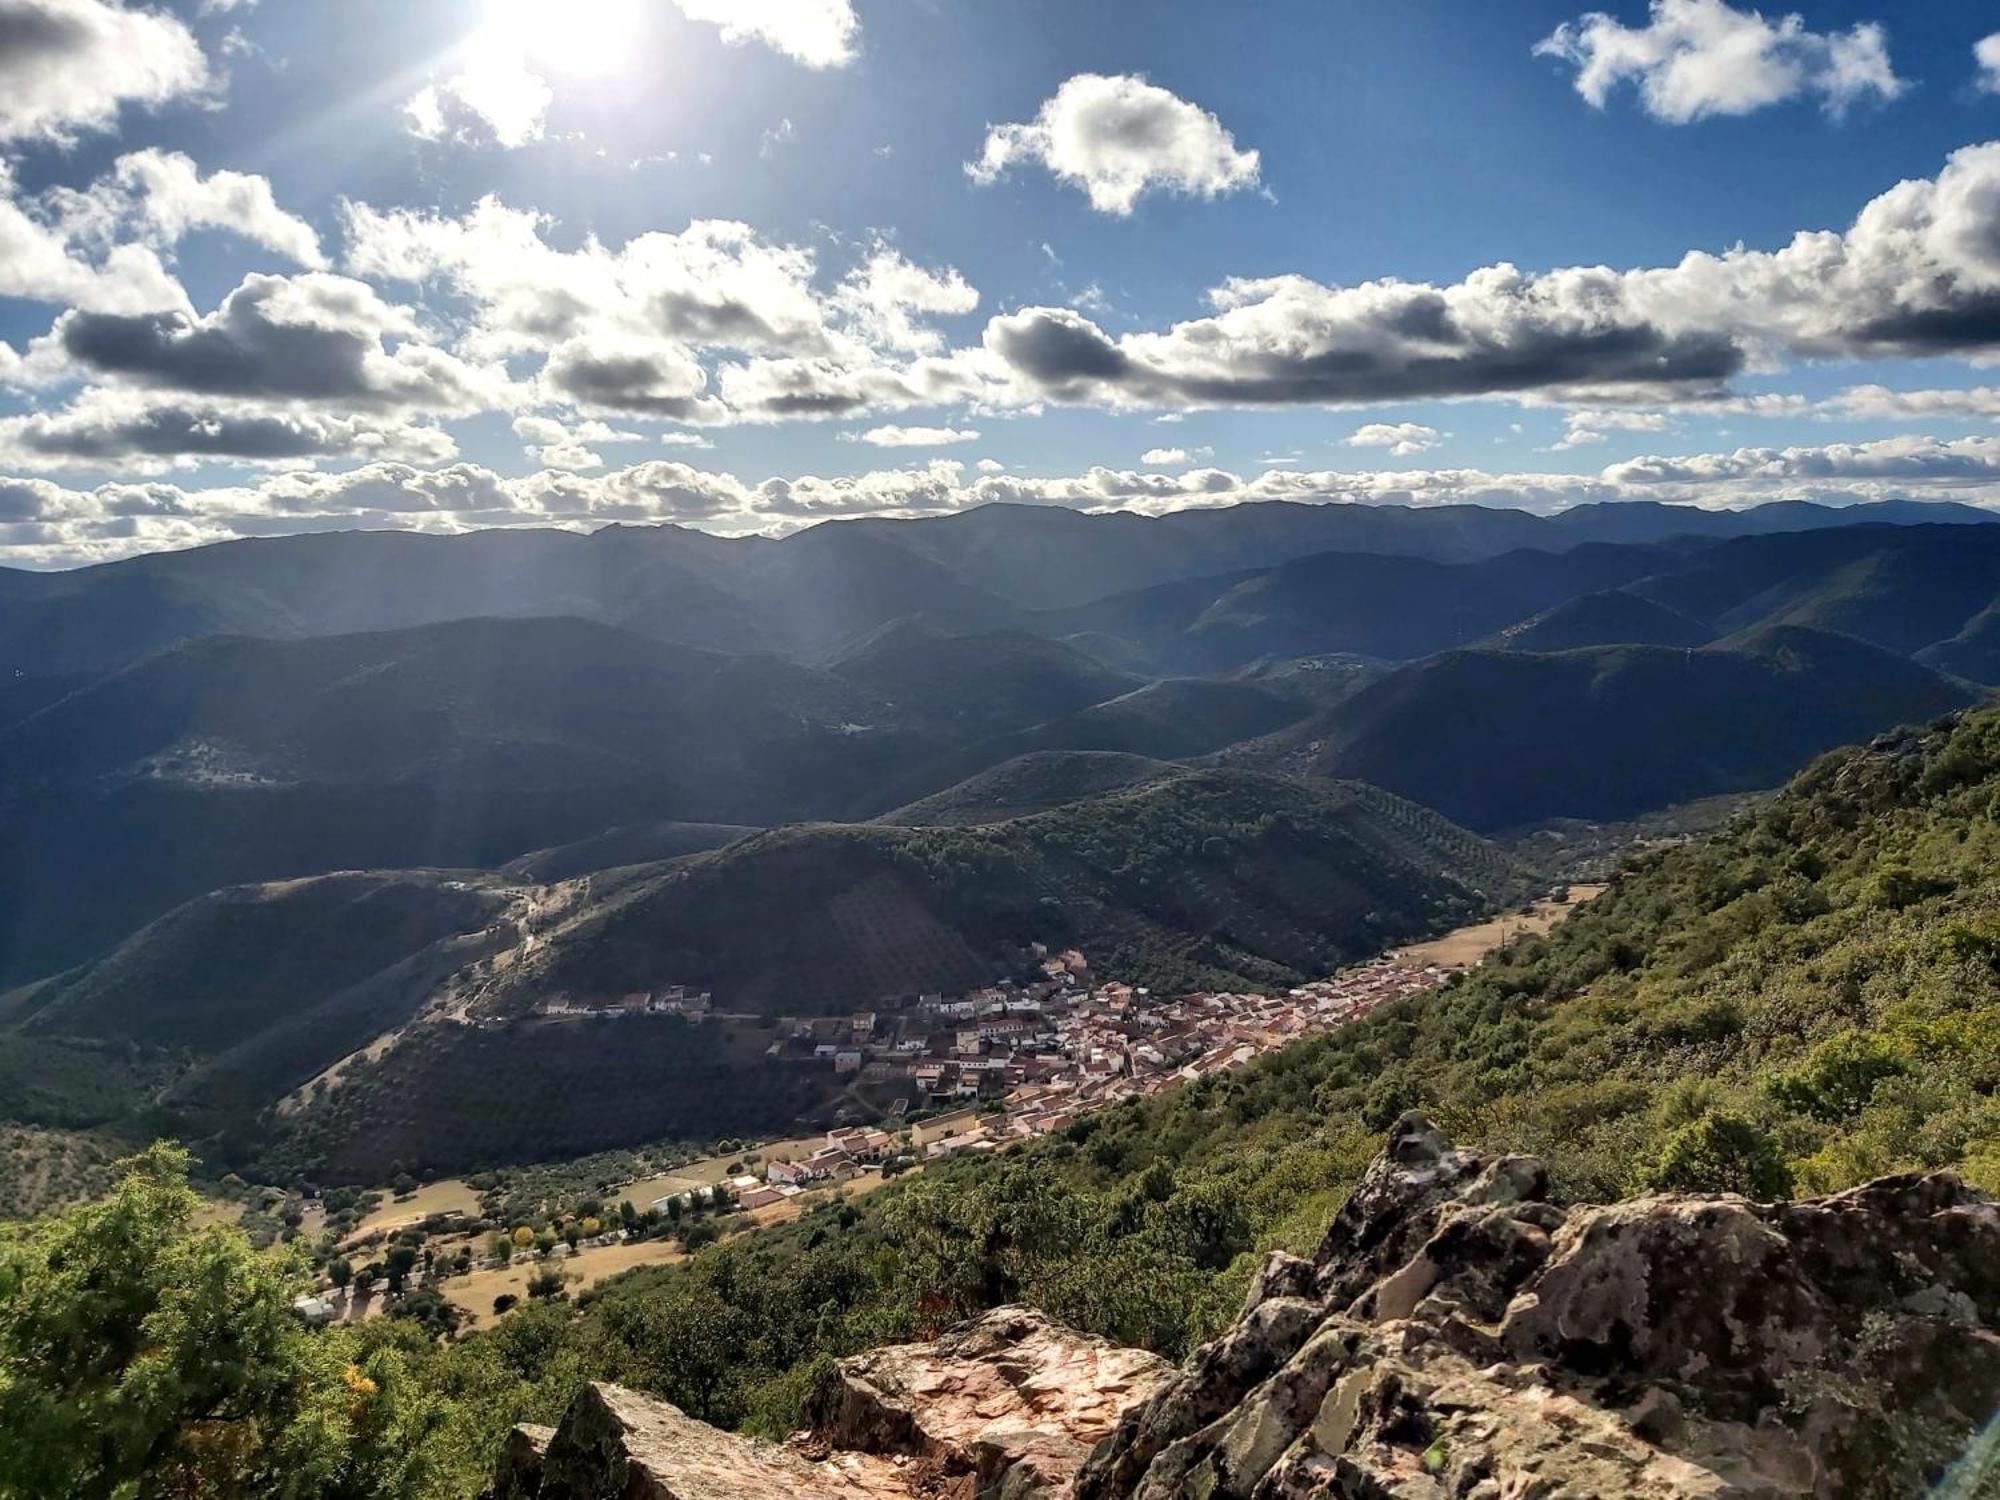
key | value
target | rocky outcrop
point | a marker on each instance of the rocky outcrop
(1007, 1407)
(614, 1444)
(1013, 1399)
(1458, 1335)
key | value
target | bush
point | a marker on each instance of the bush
(1719, 1153)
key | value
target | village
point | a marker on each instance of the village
(1020, 1059)
(940, 1076)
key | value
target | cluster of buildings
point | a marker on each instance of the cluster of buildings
(670, 1000)
(1034, 1057)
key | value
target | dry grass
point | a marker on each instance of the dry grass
(1468, 945)
(474, 1293)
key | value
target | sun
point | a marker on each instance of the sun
(588, 38)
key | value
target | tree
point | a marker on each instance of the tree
(504, 1302)
(397, 1265)
(523, 1237)
(142, 1356)
(340, 1271)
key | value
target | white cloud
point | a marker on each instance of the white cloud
(37, 263)
(308, 338)
(68, 66)
(1986, 53)
(1402, 439)
(146, 432)
(817, 33)
(911, 437)
(1697, 58)
(495, 92)
(161, 196)
(1917, 274)
(777, 135)
(1879, 403)
(1118, 138)
(1906, 460)
(42, 523)
(508, 96)
(1164, 457)
(648, 328)
(990, 466)
(885, 297)
(559, 446)
(1581, 429)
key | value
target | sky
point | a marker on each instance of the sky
(750, 264)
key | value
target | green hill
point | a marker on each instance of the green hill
(1612, 617)
(976, 683)
(630, 844)
(1031, 783)
(1207, 877)
(1500, 739)
(414, 993)
(1202, 879)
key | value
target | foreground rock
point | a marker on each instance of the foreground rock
(1013, 1399)
(1005, 1408)
(1457, 1335)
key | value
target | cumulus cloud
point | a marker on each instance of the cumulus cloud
(1117, 138)
(1905, 459)
(161, 196)
(1917, 273)
(313, 337)
(560, 446)
(38, 264)
(1697, 58)
(496, 94)
(1583, 429)
(1291, 341)
(42, 523)
(1402, 439)
(639, 329)
(1879, 403)
(892, 436)
(68, 66)
(99, 248)
(885, 298)
(1986, 53)
(143, 432)
(817, 33)
(1164, 457)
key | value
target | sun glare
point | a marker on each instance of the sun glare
(582, 37)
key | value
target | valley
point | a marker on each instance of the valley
(384, 876)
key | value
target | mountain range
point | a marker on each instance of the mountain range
(265, 805)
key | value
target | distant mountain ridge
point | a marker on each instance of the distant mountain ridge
(979, 569)
(1500, 739)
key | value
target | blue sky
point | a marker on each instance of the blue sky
(738, 265)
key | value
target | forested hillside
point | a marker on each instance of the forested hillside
(1807, 999)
